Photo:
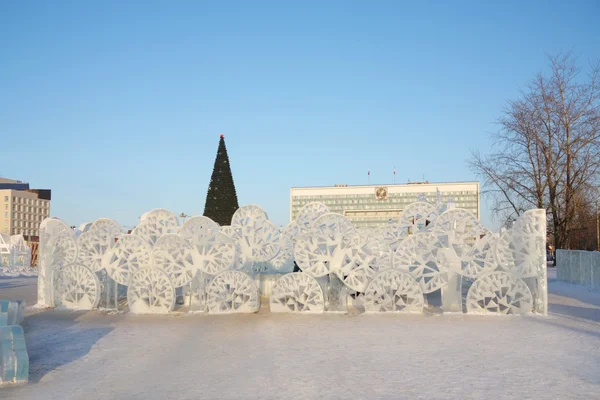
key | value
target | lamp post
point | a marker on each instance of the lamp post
(183, 216)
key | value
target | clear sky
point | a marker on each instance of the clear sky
(118, 106)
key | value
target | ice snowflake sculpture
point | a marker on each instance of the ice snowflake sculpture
(368, 255)
(176, 257)
(460, 227)
(297, 293)
(76, 287)
(239, 257)
(150, 291)
(96, 240)
(466, 244)
(156, 223)
(417, 216)
(418, 255)
(257, 237)
(499, 293)
(520, 248)
(393, 291)
(58, 248)
(391, 234)
(232, 292)
(284, 261)
(309, 214)
(328, 247)
(248, 215)
(392, 268)
(215, 253)
(197, 228)
(127, 256)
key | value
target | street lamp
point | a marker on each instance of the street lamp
(183, 216)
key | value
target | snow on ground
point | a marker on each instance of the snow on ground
(78, 355)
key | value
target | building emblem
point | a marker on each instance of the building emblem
(381, 193)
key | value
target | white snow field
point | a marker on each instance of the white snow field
(90, 355)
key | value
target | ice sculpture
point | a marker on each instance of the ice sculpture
(127, 256)
(14, 360)
(212, 255)
(96, 240)
(11, 312)
(499, 293)
(257, 237)
(459, 233)
(197, 228)
(14, 252)
(418, 255)
(20, 252)
(76, 287)
(232, 292)
(385, 269)
(520, 251)
(57, 248)
(248, 215)
(284, 261)
(297, 292)
(93, 243)
(417, 216)
(369, 255)
(150, 291)
(156, 223)
(239, 257)
(216, 253)
(391, 234)
(176, 258)
(309, 214)
(328, 249)
(393, 291)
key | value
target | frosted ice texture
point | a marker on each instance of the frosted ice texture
(156, 223)
(57, 248)
(95, 241)
(499, 293)
(393, 291)
(297, 292)
(127, 256)
(76, 287)
(176, 257)
(150, 292)
(437, 250)
(14, 360)
(232, 292)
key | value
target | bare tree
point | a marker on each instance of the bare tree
(547, 151)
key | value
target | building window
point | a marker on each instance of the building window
(6, 215)
(5, 198)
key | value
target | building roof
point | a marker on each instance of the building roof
(374, 185)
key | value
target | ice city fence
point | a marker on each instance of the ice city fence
(578, 266)
(434, 258)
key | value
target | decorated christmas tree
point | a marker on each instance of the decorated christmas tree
(221, 199)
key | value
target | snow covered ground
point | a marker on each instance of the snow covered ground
(77, 355)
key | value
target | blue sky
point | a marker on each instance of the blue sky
(118, 106)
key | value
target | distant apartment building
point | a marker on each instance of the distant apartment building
(22, 209)
(374, 205)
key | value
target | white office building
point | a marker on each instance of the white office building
(373, 205)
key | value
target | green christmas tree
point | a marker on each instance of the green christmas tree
(221, 199)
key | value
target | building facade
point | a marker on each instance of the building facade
(22, 209)
(374, 205)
